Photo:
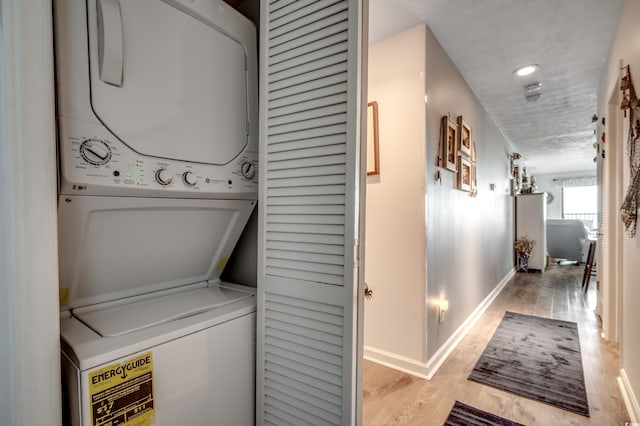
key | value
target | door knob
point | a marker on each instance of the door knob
(368, 293)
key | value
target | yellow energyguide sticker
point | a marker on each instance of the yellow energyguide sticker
(122, 393)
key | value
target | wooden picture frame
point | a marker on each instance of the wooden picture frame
(373, 159)
(465, 136)
(449, 136)
(465, 175)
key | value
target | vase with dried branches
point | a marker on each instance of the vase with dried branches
(523, 247)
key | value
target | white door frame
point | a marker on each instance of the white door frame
(612, 254)
(29, 309)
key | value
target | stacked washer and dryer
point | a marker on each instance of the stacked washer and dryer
(157, 123)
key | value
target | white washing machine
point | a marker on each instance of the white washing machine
(157, 123)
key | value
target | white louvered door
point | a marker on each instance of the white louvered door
(311, 100)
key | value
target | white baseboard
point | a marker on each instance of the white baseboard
(428, 369)
(629, 397)
(397, 362)
(434, 363)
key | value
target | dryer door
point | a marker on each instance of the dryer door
(167, 82)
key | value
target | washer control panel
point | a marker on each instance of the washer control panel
(96, 165)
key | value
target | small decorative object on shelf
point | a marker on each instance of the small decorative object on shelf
(523, 247)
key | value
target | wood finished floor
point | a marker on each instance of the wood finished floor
(395, 398)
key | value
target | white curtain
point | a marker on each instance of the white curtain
(577, 181)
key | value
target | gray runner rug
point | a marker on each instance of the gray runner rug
(538, 358)
(466, 415)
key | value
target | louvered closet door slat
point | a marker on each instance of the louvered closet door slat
(302, 310)
(310, 108)
(311, 104)
(307, 124)
(318, 95)
(297, 386)
(312, 27)
(313, 152)
(279, 4)
(300, 416)
(314, 133)
(322, 219)
(310, 85)
(309, 171)
(308, 46)
(314, 72)
(327, 160)
(336, 240)
(325, 9)
(308, 200)
(278, 373)
(310, 143)
(305, 115)
(318, 409)
(288, 9)
(306, 247)
(311, 37)
(310, 60)
(298, 11)
(304, 275)
(308, 181)
(304, 209)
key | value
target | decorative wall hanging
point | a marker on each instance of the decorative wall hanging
(631, 203)
(474, 172)
(449, 136)
(464, 136)
(465, 175)
(373, 159)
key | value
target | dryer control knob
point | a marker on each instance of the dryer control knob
(248, 170)
(95, 151)
(189, 178)
(164, 177)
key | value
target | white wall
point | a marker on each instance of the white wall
(29, 310)
(626, 50)
(395, 236)
(469, 240)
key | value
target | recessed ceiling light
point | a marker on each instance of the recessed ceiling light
(526, 70)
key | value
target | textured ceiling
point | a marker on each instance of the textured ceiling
(489, 39)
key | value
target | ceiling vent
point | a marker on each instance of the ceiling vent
(533, 92)
(535, 97)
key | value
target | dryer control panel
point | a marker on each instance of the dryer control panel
(96, 163)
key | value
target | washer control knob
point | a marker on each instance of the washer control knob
(189, 178)
(164, 177)
(95, 151)
(248, 170)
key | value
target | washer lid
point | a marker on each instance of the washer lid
(112, 248)
(167, 82)
(123, 318)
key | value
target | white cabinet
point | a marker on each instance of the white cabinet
(531, 221)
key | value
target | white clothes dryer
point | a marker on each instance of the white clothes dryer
(157, 129)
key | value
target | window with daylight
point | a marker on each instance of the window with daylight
(581, 202)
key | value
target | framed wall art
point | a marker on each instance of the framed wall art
(465, 136)
(465, 175)
(373, 159)
(449, 141)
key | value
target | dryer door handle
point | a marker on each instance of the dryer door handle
(110, 41)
